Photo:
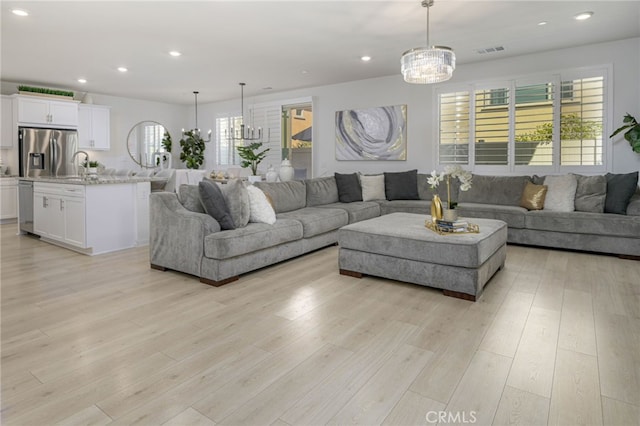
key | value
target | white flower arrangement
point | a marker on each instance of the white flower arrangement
(451, 171)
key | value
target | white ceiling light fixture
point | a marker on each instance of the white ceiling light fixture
(196, 131)
(431, 64)
(583, 16)
(365, 58)
(122, 69)
(82, 80)
(175, 53)
(20, 12)
(244, 133)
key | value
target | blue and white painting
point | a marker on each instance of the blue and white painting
(372, 134)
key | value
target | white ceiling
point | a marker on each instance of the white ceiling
(280, 44)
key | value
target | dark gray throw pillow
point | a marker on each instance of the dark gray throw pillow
(214, 204)
(349, 189)
(620, 189)
(401, 186)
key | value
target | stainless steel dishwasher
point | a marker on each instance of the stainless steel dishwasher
(25, 206)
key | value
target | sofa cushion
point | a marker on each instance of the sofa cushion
(561, 193)
(591, 193)
(322, 190)
(372, 187)
(237, 198)
(401, 186)
(285, 196)
(583, 223)
(620, 189)
(533, 196)
(360, 210)
(500, 190)
(251, 238)
(633, 209)
(404, 206)
(317, 220)
(513, 215)
(189, 196)
(349, 189)
(260, 208)
(215, 204)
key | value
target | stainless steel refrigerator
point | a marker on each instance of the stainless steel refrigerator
(46, 152)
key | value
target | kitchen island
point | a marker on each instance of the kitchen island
(90, 216)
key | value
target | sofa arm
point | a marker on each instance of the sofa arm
(633, 209)
(176, 239)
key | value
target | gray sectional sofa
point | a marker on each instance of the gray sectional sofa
(186, 239)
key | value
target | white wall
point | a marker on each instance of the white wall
(623, 55)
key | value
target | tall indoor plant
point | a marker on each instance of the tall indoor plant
(192, 150)
(632, 134)
(252, 156)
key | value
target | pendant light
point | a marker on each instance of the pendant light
(431, 64)
(196, 131)
(244, 133)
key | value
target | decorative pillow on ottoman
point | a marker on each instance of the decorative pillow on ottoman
(349, 189)
(561, 193)
(401, 186)
(620, 189)
(214, 204)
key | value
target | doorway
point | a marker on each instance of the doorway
(297, 138)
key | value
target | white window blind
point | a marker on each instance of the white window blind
(454, 128)
(491, 126)
(533, 124)
(226, 153)
(269, 119)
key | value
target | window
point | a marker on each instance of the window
(226, 154)
(550, 122)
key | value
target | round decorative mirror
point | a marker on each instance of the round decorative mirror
(146, 142)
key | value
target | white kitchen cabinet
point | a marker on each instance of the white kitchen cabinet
(94, 127)
(8, 199)
(8, 124)
(59, 213)
(32, 110)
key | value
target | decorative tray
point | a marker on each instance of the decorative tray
(469, 229)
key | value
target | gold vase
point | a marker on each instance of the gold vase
(436, 208)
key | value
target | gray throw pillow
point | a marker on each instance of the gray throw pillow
(401, 186)
(591, 193)
(189, 196)
(215, 204)
(349, 189)
(620, 189)
(322, 190)
(285, 196)
(237, 198)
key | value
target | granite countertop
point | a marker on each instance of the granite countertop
(99, 180)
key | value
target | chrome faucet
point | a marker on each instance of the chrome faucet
(73, 157)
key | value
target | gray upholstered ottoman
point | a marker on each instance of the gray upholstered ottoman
(398, 246)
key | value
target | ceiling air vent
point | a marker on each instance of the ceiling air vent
(490, 50)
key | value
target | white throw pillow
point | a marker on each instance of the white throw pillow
(259, 207)
(561, 193)
(372, 187)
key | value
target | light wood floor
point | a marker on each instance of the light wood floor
(555, 339)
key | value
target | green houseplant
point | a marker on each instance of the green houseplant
(192, 150)
(166, 144)
(251, 157)
(632, 134)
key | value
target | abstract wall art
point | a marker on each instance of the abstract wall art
(372, 134)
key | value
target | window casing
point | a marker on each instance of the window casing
(546, 123)
(226, 153)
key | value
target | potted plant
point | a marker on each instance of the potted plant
(251, 157)
(92, 167)
(192, 150)
(166, 144)
(434, 180)
(632, 135)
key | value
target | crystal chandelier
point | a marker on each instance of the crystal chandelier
(244, 133)
(431, 64)
(196, 131)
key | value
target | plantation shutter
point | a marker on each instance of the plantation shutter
(491, 127)
(533, 123)
(269, 119)
(453, 145)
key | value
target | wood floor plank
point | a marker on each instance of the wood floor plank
(90, 416)
(576, 390)
(518, 407)
(374, 401)
(414, 409)
(505, 332)
(616, 412)
(577, 326)
(189, 417)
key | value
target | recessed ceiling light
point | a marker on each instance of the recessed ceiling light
(304, 72)
(267, 88)
(582, 16)
(175, 53)
(365, 58)
(541, 23)
(122, 69)
(82, 80)
(20, 12)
